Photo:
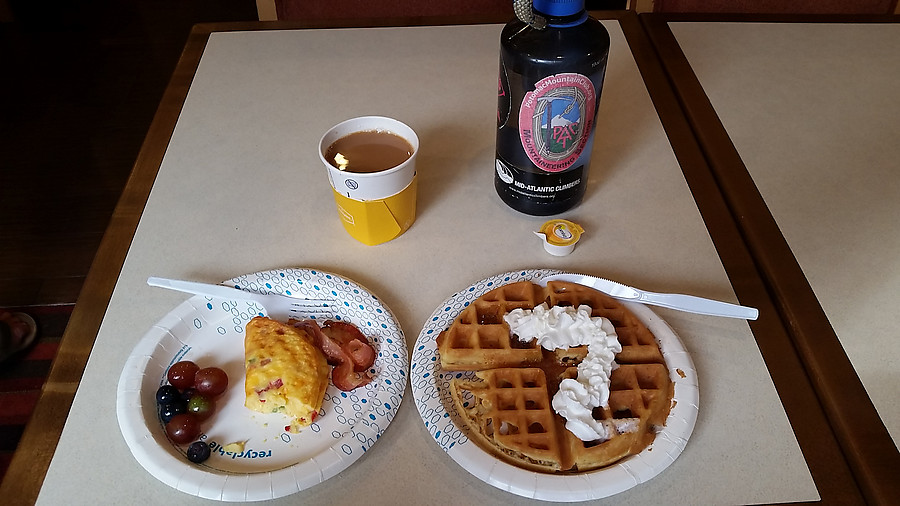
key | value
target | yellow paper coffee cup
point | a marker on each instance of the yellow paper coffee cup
(374, 207)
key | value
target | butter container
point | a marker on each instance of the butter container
(560, 236)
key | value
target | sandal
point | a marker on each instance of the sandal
(17, 332)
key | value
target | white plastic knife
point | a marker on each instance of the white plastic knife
(688, 303)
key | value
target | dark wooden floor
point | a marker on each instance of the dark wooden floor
(80, 84)
(22, 377)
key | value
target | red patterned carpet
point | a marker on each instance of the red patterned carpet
(22, 376)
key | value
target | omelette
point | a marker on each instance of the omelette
(286, 372)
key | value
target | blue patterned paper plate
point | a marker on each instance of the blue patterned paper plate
(431, 391)
(273, 463)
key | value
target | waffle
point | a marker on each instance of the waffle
(506, 406)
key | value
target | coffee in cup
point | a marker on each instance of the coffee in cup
(368, 151)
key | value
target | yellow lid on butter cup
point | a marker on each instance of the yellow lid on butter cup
(560, 236)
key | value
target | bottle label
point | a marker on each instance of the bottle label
(539, 188)
(556, 120)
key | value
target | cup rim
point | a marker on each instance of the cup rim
(412, 138)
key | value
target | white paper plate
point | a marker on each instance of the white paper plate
(430, 387)
(274, 463)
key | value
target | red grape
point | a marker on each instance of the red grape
(211, 381)
(181, 374)
(183, 428)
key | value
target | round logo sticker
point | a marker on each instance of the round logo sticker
(555, 120)
(504, 173)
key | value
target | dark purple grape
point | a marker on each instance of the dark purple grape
(187, 393)
(167, 394)
(167, 411)
(198, 452)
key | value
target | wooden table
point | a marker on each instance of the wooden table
(228, 182)
(797, 118)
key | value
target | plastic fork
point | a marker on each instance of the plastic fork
(278, 307)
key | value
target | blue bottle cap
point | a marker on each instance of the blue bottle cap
(558, 8)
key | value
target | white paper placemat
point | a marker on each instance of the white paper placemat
(812, 110)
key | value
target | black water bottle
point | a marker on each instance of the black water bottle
(551, 73)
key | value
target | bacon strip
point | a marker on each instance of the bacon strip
(352, 341)
(345, 348)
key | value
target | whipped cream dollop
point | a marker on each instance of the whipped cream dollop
(567, 327)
